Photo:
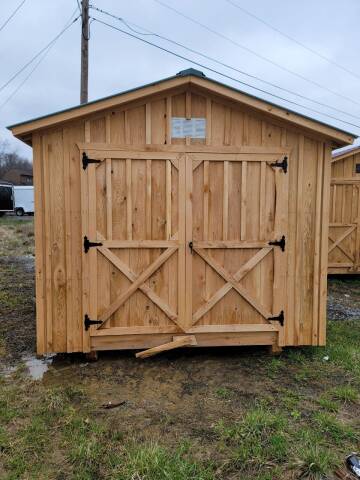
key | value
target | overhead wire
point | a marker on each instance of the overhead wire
(182, 57)
(150, 33)
(45, 53)
(289, 37)
(37, 55)
(253, 52)
(12, 15)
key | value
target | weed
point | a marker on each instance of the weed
(328, 424)
(223, 393)
(259, 437)
(345, 393)
(153, 462)
(314, 461)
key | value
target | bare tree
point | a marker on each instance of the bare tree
(10, 159)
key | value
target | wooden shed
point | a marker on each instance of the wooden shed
(183, 212)
(344, 226)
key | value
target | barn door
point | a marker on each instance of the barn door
(134, 242)
(236, 233)
(344, 226)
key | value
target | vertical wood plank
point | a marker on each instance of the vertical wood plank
(182, 279)
(227, 129)
(226, 201)
(92, 253)
(333, 215)
(245, 136)
(85, 231)
(299, 243)
(48, 255)
(262, 200)
(148, 199)
(318, 221)
(148, 123)
(168, 119)
(57, 238)
(208, 120)
(280, 258)
(109, 221)
(243, 200)
(148, 140)
(206, 199)
(168, 199)
(188, 239)
(39, 246)
(128, 199)
(109, 201)
(68, 252)
(324, 244)
(188, 112)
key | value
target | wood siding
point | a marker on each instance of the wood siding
(59, 269)
(344, 226)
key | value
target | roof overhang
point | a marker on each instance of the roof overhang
(345, 153)
(197, 79)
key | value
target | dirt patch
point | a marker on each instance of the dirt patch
(343, 297)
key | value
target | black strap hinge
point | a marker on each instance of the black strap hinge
(279, 243)
(88, 322)
(283, 164)
(88, 244)
(86, 160)
(279, 318)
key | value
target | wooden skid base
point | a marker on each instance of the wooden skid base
(134, 342)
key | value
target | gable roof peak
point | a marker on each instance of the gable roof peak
(190, 71)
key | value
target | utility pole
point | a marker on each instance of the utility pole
(84, 51)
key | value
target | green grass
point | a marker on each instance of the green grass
(298, 424)
(16, 236)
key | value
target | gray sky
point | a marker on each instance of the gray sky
(118, 62)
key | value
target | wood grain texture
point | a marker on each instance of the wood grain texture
(154, 193)
(344, 205)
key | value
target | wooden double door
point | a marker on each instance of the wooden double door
(178, 242)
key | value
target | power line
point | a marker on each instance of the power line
(219, 34)
(12, 15)
(223, 74)
(37, 55)
(34, 68)
(149, 33)
(320, 55)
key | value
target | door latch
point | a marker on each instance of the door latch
(191, 246)
(86, 160)
(88, 322)
(283, 164)
(88, 244)
(279, 318)
(279, 243)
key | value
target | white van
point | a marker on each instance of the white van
(24, 200)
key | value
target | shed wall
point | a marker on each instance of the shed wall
(345, 215)
(58, 207)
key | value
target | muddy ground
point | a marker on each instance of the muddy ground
(186, 394)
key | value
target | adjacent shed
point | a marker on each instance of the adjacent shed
(344, 226)
(180, 212)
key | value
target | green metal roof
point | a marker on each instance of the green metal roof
(183, 73)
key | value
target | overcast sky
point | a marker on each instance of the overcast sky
(118, 62)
